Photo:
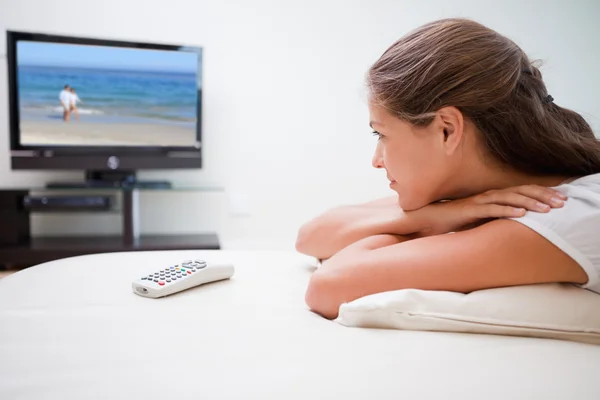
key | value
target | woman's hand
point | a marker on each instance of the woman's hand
(456, 215)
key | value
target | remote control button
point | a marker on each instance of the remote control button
(161, 283)
(187, 262)
(144, 278)
(156, 280)
(200, 261)
(168, 280)
(189, 272)
(193, 269)
(174, 278)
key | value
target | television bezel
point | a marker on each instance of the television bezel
(28, 156)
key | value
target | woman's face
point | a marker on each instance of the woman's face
(415, 159)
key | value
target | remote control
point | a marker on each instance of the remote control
(178, 277)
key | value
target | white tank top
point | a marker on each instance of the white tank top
(575, 227)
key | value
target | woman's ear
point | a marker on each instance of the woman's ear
(452, 123)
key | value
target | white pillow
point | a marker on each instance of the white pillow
(556, 310)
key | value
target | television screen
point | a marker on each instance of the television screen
(93, 95)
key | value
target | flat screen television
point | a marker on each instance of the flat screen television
(106, 107)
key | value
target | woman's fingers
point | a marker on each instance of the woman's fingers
(517, 200)
(545, 195)
(530, 197)
(498, 211)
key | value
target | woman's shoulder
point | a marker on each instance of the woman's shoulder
(580, 210)
(589, 182)
(580, 214)
(575, 227)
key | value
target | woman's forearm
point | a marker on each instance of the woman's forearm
(338, 228)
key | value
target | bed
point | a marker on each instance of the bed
(73, 329)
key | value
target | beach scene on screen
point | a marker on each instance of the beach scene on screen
(83, 95)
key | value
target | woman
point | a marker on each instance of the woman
(74, 101)
(473, 145)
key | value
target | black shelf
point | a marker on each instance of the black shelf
(43, 249)
(18, 247)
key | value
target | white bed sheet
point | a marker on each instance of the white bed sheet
(73, 329)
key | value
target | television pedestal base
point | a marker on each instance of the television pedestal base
(128, 184)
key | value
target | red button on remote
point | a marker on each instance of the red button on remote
(189, 272)
(161, 283)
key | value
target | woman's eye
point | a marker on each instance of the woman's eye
(379, 135)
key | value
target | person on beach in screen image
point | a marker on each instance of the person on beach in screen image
(494, 183)
(65, 101)
(74, 101)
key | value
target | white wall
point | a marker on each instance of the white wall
(285, 115)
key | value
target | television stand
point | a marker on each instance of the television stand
(124, 181)
(18, 247)
(110, 180)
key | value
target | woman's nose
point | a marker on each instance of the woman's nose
(377, 160)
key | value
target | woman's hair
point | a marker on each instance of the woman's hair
(461, 63)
